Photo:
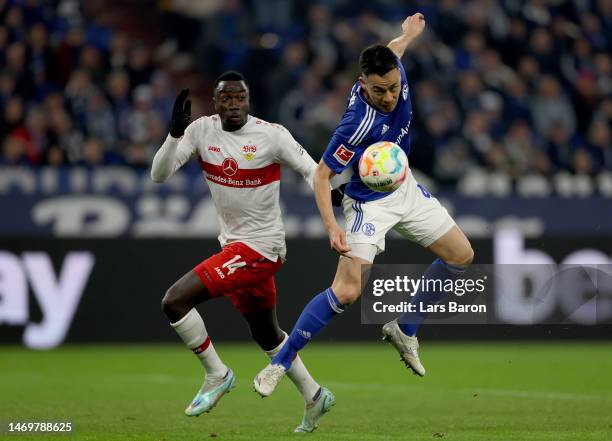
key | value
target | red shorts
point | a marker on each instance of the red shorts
(243, 275)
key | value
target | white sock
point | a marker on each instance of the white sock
(298, 374)
(192, 331)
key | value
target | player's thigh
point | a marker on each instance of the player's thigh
(261, 297)
(350, 275)
(453, 247)
(186, 292)
(425, 220)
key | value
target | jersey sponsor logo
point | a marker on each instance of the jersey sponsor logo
(343, 155)
(403, 133)
(368, 229)
(219, 273)
(352, 100)
(229, 166)
(384, 129)
(241, 178)
(214, 148)
(249, 151)
(405, 92)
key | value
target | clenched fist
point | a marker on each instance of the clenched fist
(414, 25)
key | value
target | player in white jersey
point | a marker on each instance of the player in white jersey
(378, 109)
(240, 157)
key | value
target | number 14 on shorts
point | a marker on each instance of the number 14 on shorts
(231, 266)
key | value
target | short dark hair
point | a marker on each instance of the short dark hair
(377, 59)
(230, 75)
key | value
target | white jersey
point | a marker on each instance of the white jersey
(243, 173)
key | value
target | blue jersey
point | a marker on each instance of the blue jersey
(362, 125)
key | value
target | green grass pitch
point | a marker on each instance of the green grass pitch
(473, 391)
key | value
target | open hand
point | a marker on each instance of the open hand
(181, 114)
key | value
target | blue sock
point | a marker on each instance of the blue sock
(439, 270)
(313, 319)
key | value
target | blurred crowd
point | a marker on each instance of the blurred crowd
(74, 91)
(518, 87)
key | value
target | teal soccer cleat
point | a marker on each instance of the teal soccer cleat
(314, 411)
(210, 393)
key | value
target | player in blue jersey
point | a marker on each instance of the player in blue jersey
(379, 109)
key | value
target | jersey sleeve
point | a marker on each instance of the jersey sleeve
(404, 80)
(174, 153)
(348, 141)
(188, 145)
(289, 152)
(400, 65)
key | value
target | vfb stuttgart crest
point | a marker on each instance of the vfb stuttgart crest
(249, 151)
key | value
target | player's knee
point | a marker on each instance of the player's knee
(463, 256)
(347, 293)
(467, 257)
(171, 302)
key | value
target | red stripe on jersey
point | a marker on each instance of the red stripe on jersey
(229, 175)
(202, 347)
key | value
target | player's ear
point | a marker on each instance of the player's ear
(362, 81)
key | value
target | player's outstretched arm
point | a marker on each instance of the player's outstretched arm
(170, 157)
(337, 236)
(412, 27)
(289, 152)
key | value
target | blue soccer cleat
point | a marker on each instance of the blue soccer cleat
(210, 393)
(314, 411)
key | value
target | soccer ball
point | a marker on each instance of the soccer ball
(383, 166)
